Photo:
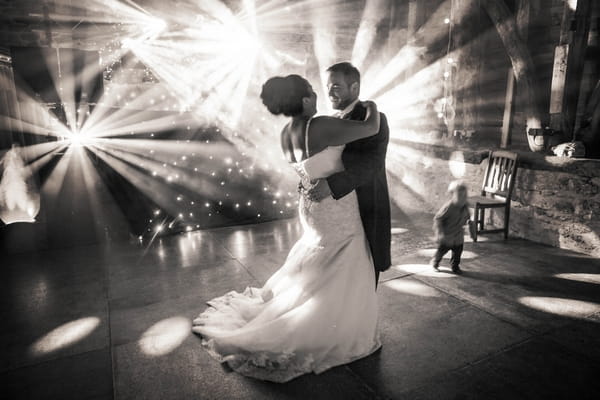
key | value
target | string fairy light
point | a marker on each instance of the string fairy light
(447, 111)
(190, 212)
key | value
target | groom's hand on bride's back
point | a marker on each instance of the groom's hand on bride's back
(320, 191)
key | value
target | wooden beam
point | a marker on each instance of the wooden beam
(508, 108)
(575, 64)
(592, 138)
(467, 42)
(523, 11)
(557, 89)
(559, 70)
(416, 17)
(569, 60)
(47, 24)
(522, 64)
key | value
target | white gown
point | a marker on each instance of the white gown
(319, 310)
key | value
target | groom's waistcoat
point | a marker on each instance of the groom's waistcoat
(364, 161)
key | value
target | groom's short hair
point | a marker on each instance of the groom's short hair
(351, 73)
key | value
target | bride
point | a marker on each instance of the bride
(319, 310)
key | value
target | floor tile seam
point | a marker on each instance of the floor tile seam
(181, 296)
(404, 275)
(480, 308)
(154, 303)
(113, 377)
(469, 364)
(144, 335)
(52, 359)
(519, 343)
(141, 337)
(547, 335)
(376, 395)
(464, 304)
(254, 278)
(163, 274)
(530, 331)
(190, 267)
(585, 356)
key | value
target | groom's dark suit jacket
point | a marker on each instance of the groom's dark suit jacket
(364, 161)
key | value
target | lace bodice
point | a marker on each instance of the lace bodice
(328, 220)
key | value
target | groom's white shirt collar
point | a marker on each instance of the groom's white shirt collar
(349, 108)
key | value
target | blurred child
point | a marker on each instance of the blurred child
(448, 225)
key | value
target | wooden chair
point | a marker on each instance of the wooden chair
(496, 191)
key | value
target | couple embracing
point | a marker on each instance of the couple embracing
(319, 310)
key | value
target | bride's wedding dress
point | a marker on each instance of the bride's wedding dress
(319, 310)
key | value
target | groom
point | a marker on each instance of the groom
(364, 162)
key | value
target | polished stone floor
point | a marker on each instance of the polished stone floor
(101, 322)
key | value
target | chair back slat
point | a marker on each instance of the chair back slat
(500, 174)
(504, 177)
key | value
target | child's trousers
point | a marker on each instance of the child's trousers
(443, 249)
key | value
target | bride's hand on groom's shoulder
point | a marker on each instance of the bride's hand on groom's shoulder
(368, 103)
(372, 113)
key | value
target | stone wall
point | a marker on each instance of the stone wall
(556, 201)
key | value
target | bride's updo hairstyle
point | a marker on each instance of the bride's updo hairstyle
(284, 95)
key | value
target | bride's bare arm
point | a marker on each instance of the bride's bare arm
(331, 131)
(286, 145)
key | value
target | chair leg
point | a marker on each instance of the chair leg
(482, 218)
(476, 224)
(506, 219)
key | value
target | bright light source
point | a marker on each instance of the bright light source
(128, 43)
(75, 140)
(78, 139)
(158, 25)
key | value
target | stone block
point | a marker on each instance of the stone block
(564, 206)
